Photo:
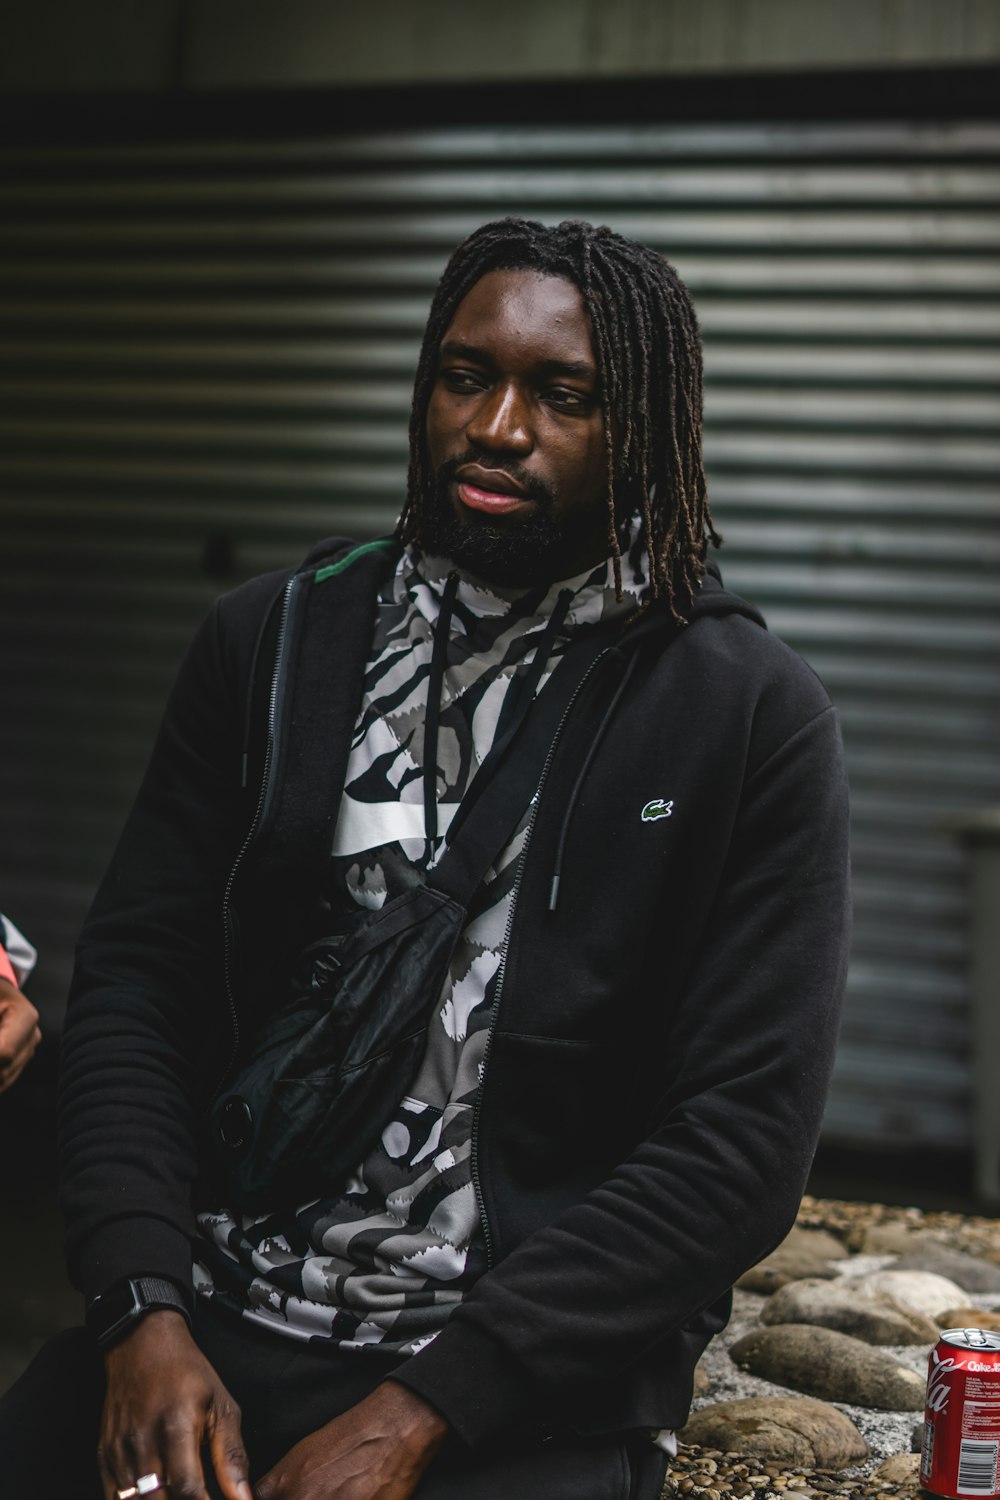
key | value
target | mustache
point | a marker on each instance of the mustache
(531, 486)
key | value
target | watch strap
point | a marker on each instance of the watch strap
(115, 1313)
(157, 1291)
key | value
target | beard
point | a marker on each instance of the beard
(517, 553)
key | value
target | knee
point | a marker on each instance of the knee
(63, 1383)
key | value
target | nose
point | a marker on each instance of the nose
(501, 422)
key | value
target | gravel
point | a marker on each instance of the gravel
(705, 1474)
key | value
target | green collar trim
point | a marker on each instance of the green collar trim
(384, 544)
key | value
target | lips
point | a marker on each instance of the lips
(490, 490)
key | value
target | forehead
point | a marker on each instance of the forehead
(524, 314)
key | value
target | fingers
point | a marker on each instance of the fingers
(13, 1071)
(180, 1445)
(123, 1461)
(267, 1488)
(165, 1411)
(172, 1453)
(229, 1459)
(19, 1037)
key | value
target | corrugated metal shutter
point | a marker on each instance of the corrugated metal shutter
(205, 362)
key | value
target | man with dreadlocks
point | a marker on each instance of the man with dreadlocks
(441, 1153)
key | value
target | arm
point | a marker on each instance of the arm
(380, 1447)
(145, 1015)
(19, 1031)
(145, 1010)
(716, 1181)
(164, 1404)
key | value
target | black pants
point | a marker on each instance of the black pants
(49, 1424)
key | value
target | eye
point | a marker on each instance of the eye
(462, 380)
(568, 400)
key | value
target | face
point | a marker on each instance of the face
(515, 434)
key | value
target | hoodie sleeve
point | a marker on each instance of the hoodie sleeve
(716, 1182)
(145, 1008)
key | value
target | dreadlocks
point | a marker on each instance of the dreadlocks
(648, 353)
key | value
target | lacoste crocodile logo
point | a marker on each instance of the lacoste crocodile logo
(657, 809)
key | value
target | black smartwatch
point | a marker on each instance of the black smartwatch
(115, 1312)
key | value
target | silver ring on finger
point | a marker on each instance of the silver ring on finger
(146, 1484)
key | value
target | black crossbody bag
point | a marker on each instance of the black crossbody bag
(327, 1069)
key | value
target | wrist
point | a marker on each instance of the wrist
(156, 1334)
(119, 1310)
(420, 1425)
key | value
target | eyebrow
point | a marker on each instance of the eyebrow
(457, 348)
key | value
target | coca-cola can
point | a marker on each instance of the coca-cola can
(960, 1452)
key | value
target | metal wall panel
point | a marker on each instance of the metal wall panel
(205, 360)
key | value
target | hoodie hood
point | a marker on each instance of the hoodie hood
(593, 599)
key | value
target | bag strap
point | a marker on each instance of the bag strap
(487, 827)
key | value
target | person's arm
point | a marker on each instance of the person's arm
(164, 1406)
(717, 1181)
(19, 1029)
(145, 1009)
(145, 1001)
(376, 1451)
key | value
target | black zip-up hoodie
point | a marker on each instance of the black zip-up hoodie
(664, 1034)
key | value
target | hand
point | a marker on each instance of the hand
(164, 1404)
(19, 1033)
(376, 1451)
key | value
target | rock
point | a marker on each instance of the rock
(968, 1271)
(822, 1362)
(922, 1290)
(901, 1469)
(791, 1430)
(893, 1239)
(917, 1437)
(818, 1243)
(765, 1279)
(836, 1305)
(968, 1317)
(702, 1380)
(805, 1253)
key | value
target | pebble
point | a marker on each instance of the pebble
(851, 1222)
(743, 1475)
(924, 1291)
(836, 1305)
(789, 1429)
(735, 1473)
(876, 1230)
(967, 1271)
(896, 1239)
(901, 1469)
(833, 1366)
(969, 1317)
(804, 1253)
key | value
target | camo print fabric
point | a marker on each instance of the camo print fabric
(386, 1260)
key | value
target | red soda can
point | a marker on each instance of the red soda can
(960, 1453)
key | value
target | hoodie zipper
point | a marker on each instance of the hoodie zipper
(501, 972)
(291, 588)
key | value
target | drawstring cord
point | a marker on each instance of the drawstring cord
(435, 684)
(525, 687)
